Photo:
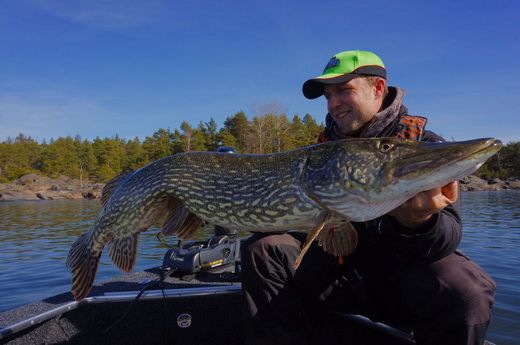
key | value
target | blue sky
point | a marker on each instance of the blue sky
(106, 67)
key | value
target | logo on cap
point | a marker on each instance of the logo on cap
(334, 62)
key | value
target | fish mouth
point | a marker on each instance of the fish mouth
(464, 156)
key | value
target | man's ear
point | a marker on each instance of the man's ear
(380, 88)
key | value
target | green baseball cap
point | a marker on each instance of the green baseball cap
(344, 67)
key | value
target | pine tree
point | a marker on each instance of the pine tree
(159, 145)
(135, 155)
(239, 127)
(18, 157)
(312, 129)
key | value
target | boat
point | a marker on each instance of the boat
(193, 298)
(203, 310)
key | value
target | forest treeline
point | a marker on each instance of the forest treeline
(102, 159)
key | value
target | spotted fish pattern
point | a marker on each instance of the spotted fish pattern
(320, 188)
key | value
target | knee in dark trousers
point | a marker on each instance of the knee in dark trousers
(283, 305)
(445, 302)
(271, 312)
(449, 300)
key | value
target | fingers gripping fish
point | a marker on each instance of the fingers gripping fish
(320, 188)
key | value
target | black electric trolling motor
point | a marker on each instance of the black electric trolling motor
(222, 249)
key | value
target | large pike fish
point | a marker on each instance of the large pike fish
(320, 188)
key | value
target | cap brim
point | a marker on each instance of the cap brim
(313, 88)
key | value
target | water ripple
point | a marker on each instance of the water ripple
(36, 237)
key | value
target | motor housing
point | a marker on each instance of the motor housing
(192, 257)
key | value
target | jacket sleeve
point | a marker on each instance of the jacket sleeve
(436, 239)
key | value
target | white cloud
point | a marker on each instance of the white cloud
(105, 15)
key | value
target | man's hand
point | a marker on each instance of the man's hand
(419, 209)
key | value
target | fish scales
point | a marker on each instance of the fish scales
(321, 189)
(242, 189)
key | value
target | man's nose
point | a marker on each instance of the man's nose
(333, 102)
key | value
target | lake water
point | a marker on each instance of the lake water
(35, 238)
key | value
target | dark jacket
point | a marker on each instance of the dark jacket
(385, 246)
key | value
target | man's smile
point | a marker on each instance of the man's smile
(342, 114)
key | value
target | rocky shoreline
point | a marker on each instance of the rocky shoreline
(32, 187)
(475, 183)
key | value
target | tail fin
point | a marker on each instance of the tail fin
(83, 267)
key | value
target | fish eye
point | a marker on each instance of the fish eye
(386, 146)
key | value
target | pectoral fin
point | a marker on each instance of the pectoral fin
(339, 241)
(320, 221)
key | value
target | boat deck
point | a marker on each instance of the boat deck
(172, 310)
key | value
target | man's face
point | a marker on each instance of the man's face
(352, 104)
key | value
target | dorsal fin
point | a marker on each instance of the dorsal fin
(111, 186)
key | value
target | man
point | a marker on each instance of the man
(406, 270)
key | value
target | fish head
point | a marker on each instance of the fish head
(362, 179)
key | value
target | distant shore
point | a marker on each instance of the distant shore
(33, 187)
(475, 183)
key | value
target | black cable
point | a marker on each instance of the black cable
(161, 240)
(162, 277)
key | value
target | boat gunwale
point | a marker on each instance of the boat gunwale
(119, 296)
